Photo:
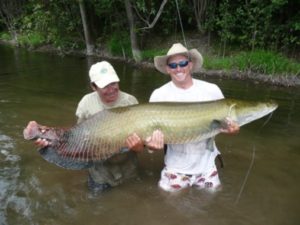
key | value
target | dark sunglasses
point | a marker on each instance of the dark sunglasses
(181, 64)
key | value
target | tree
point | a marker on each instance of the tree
(199, 7)
(147, 19)
(87, 36)
(10, 11)
(226, 22)
(136, 53)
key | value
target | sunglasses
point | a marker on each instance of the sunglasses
(181, 64)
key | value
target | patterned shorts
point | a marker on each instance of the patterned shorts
(172, 181)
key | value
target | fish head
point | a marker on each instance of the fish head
(34, 131)
(247, 112)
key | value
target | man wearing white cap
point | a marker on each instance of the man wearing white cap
(106, 94)
(191, 164)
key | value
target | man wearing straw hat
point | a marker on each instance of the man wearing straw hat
(191, 164)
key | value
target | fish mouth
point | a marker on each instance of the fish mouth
(31, 131)
(273, 105)
(270, 108)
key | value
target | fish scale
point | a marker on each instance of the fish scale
(104, 134)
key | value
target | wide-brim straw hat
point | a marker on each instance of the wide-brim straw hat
(194, 55)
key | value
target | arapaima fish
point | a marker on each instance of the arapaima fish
(104, 134)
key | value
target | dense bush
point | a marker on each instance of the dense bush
(249, 26)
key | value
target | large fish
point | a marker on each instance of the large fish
(104, 134)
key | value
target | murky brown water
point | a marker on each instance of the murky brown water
(47, 88)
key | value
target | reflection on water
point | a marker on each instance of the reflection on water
(47, 88)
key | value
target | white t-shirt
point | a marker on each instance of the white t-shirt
(191, 158)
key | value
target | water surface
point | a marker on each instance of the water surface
(47, 88)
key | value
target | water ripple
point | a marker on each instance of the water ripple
(12, 204)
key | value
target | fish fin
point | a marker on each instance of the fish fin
(210, 144)
(50, 154)
(124, 150)
(218, 124)
(230, 110)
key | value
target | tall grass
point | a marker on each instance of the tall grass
(259, 61)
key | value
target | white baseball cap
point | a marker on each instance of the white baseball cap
(102, 74)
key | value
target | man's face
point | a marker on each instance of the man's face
(179, 68)
(110, 93)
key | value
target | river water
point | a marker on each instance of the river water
(47, 88)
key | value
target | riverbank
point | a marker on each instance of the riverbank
(278, 80)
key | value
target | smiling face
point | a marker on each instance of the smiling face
(109, 94)
(180, 71)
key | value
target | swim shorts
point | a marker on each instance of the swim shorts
(172, 181)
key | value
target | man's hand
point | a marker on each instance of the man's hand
(156, 141)
(135, 143)
(42, 142)
(231, 127)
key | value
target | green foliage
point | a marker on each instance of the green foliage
(259, 24)
(168, 23)
(32, 39)
(52, 23)
(103, 7)
(119, 45)
(216, 63)
(226, 22)
(149, 54)
(210, 16)
(109, 16)
(267, 62)
(259, 61)
(5, 36)
(247, 25)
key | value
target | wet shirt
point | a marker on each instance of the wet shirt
(191, 158)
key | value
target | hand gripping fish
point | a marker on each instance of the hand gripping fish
(104, 134)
